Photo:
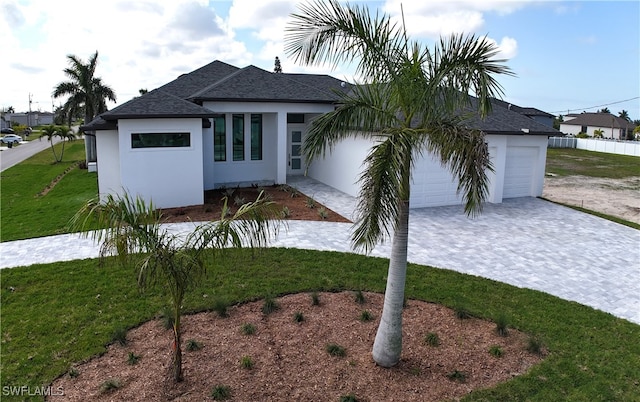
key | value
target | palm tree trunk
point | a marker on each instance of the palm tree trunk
(176, 365)
(55, 156)
(387, 346)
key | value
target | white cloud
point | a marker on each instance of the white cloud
(508, 48)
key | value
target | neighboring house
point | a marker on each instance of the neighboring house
(31, 118)
(612, 126)
(225, 126)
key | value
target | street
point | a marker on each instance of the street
(15, 155)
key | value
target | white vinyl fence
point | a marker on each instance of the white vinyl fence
(631, 148)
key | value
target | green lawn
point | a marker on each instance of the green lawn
(25, 213)
(571, 162)
(48, 324)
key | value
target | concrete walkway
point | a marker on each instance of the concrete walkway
(526, 242)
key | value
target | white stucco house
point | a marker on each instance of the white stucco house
(611, 126)
(221, 125)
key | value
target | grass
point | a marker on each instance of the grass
(25, 214)
(49, 325)
(335, 350)
(571, 162)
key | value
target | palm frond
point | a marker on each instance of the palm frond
(327, 32)
(465, 153)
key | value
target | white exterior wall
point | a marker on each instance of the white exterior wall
(108, 154)
(170, 177)
(433, 184)
(273, 167)
(607, 132)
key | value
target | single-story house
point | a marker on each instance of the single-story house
(221, 125)
(611, 126)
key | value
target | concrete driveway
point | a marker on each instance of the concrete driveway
(526, 242)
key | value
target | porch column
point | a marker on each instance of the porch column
(282, 151)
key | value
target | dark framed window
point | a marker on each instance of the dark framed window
(160, 140)
(219, 138)
(256, 137)
(238, 137)
(295, 117)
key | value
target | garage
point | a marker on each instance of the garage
(519, 173)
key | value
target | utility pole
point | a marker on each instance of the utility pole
(29, 114)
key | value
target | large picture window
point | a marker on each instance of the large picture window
(256, 137)
(219, 138)
(160, 140)
(238, 137)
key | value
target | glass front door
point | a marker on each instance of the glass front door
(295, 152)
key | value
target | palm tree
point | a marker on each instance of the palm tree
(86, 93)
(624, 114)
(173, 262)
(411, 104)
(63, 132)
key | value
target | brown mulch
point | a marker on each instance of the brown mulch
(297, 204)
(290, 361)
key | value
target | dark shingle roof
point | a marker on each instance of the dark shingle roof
(154, 104)
(187, 84)
(501, 120)
(527, 111)
(599, 120)
(252, 84)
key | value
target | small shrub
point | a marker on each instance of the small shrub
(220, 306)
(459, 376)
(298, 317)
(110, 385)
(193, 345)
(73, 372)
(120, 336)
(462, 313)
(496, 351)
(502, 325)
(310, 203)
(534, 345)
(246, 362)
(322, 212)
(348, 398)
(221, 392)
(359, 297)
(315, 299)
(365, 316)
(239, 201)
(335, 350)
(229, 192)
(293, 192)
(432, 339)
(269, 305)
(133, 358)
(285, 213)
(248, 329)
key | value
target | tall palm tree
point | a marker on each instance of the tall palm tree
(624, 114)
(86, 92)
(63, 132)
(412, 103)
(173, 262)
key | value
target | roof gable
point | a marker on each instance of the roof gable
(154, 104)
(187, 84)
(252, 84)
(502, 120)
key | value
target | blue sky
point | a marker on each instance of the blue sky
(568, 55)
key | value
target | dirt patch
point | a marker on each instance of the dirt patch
(616, 197)
(290, 361)
(298, 205)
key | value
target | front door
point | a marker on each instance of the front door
(295, 164)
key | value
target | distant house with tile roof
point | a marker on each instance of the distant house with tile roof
(221, 125)
(611, 126)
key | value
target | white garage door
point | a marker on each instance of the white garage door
(519, 171)
(432, 185)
